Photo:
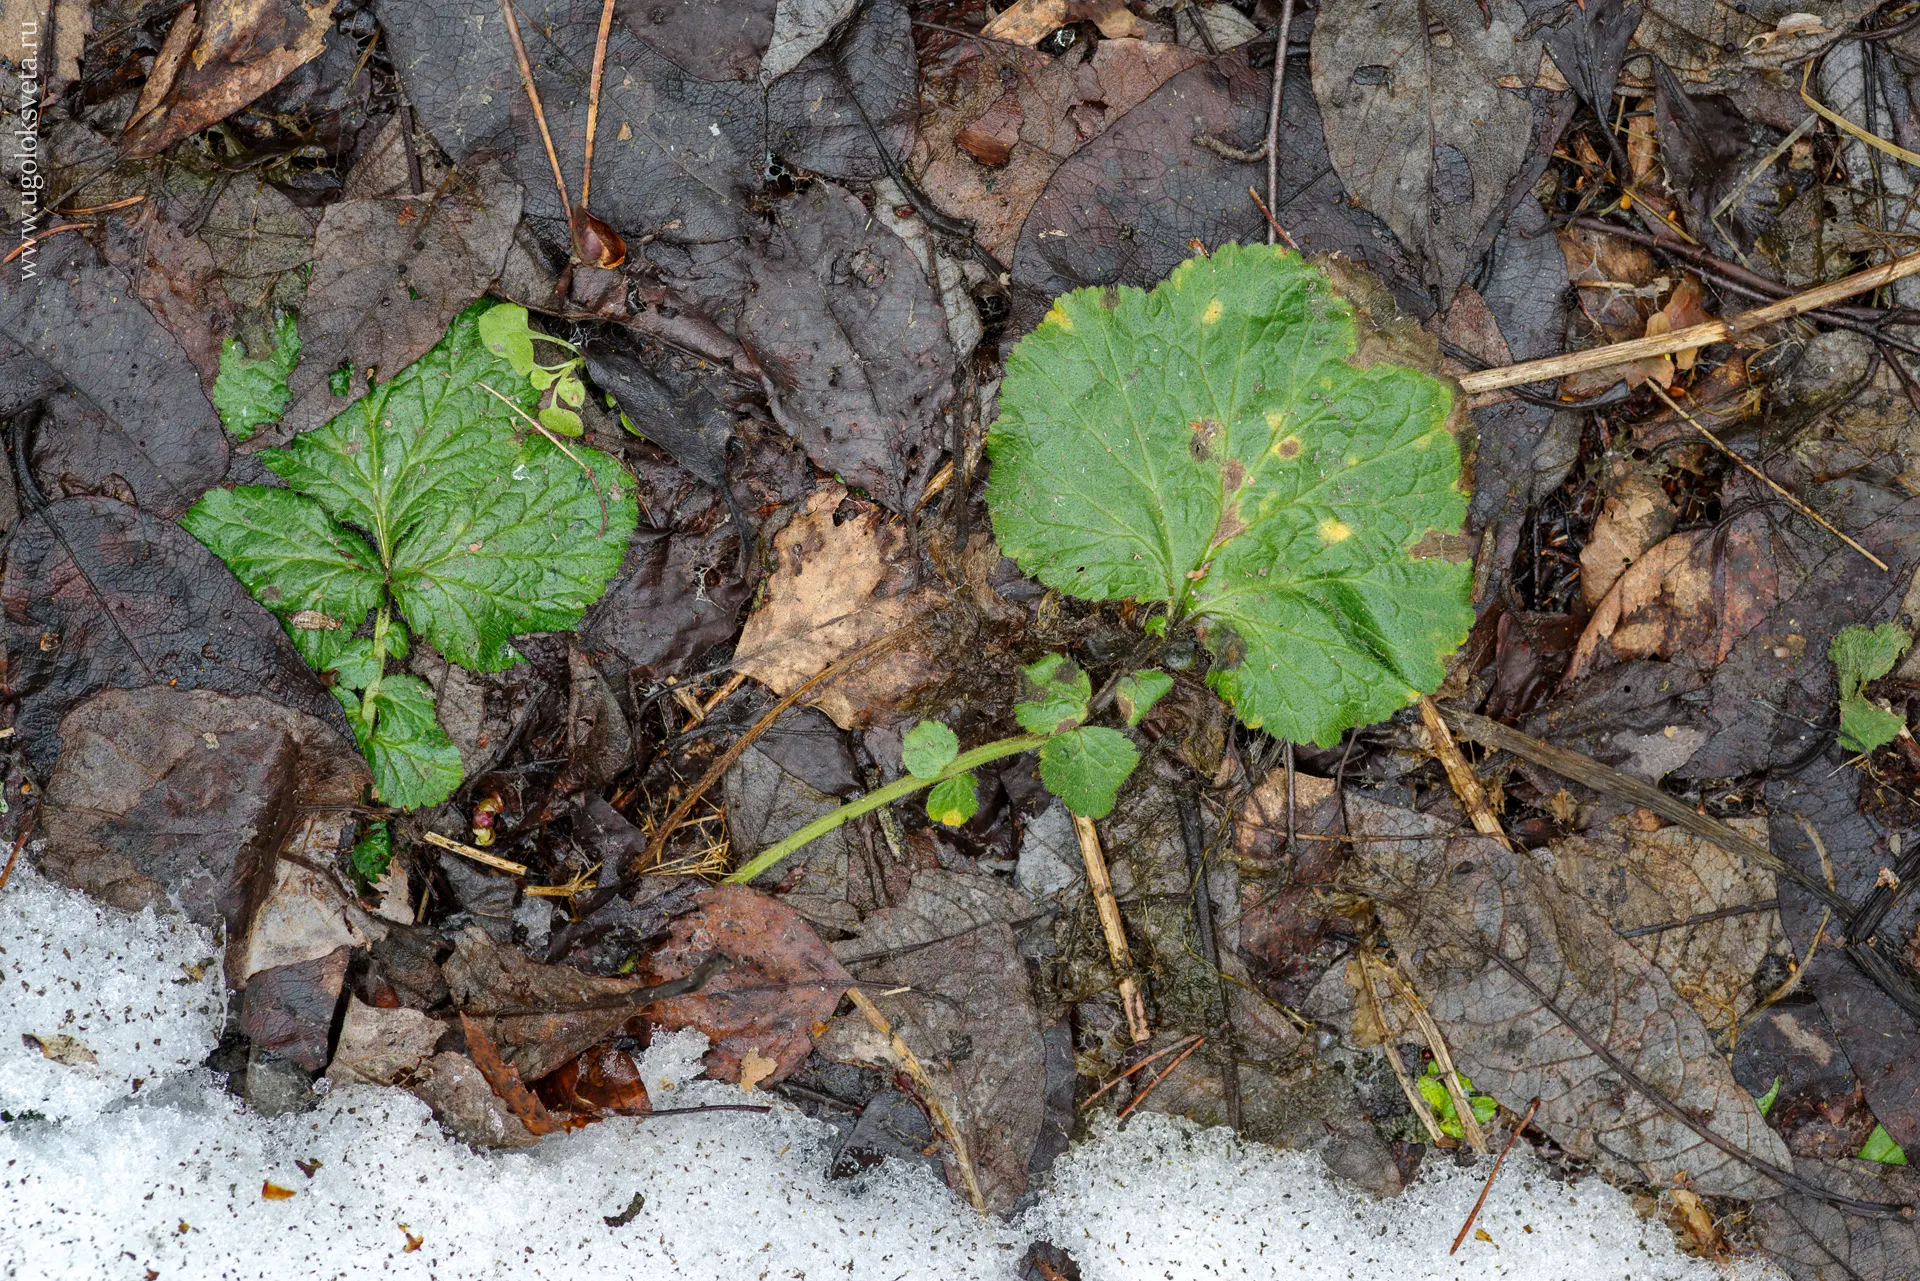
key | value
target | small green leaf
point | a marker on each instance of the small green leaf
(561, 422)
(1085, 768)
(504, 329)
(1766, 1101)
(953, 800)
(293, 558)
(1861, 656)
(928, 748)
(250, 392)
(1061, 692)
(570, 390)
(373, 852)
(340, 380)
(354, 667)
(1881, 1147)
(1209, 445)
(414, 762)
(1138, 692)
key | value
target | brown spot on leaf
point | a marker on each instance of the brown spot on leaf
(1233, 475)
(1204, 430)
(1438, 545)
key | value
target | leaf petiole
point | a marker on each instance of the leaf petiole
(895, 791)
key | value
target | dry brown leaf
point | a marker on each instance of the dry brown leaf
(506, 1083)
(1027, 21)
(1695, 593)
(1633, 878)
(755, 1067)
(218, 57)
(271, 1191)
(1055, 107)
(1636, 516)
(782, 982)
(843, 582)
(61, 1049)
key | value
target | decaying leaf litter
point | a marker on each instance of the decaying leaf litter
(821, 457)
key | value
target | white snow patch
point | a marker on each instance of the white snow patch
(170, 1179)
(118, 985)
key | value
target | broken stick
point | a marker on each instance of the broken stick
(1111, 925)
(1713, 331)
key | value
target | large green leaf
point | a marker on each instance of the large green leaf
(1209, 445)
(294, 559)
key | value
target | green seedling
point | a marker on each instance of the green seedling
(1861, 656)
(1084, 765)
(1210, 447)
(1433, 1088)
(251, 392)
(505, 330)
(1766, 1101)
(423, 510)
(1881, 1147)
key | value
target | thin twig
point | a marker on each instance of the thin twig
(39, 236)
(19, 843)
(1415, 1099)
(1700, 918)
(1273, 227)
(1769, 481)
(1713, 331)
(1152, 1085)
(1155, 1057)
(1466, 784)
(539, 112)
(1443, 1059)
(1498, 1161)
(1273, 119)
(480, 856)
(593, 99)
(1115, 930)
(949, 1128)
(1193, 832)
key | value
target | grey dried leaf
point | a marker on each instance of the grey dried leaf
(1419, 126)
(1449, 902)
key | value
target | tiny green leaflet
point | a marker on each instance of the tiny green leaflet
(1861, 656)
(1209, 445)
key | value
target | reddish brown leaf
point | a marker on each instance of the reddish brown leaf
(601, 1080)
(271, 1191)
(220, 56)
(506, 1083)
(783, 980)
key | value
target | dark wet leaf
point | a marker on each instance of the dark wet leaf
(679, 594)
(853, 343)
(1449, 902)
(1125, 207)
(783, 980)
(1432, 146)
(1589, 43)
(288, 1011)
(219, 56)
(694, 428)
(532, 1012)
(389, 274)
(1815, 1241)
(129, 417)
(970, 1018)
(168, 793)
(99, 595)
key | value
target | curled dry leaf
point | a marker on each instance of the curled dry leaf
(1449, 903)
(219, 56)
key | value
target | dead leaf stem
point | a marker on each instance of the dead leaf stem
(1498, 1161)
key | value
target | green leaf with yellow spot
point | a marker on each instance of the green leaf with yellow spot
(953, 801)
(1211, 445)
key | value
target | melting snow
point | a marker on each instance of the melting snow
(100, 1177)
